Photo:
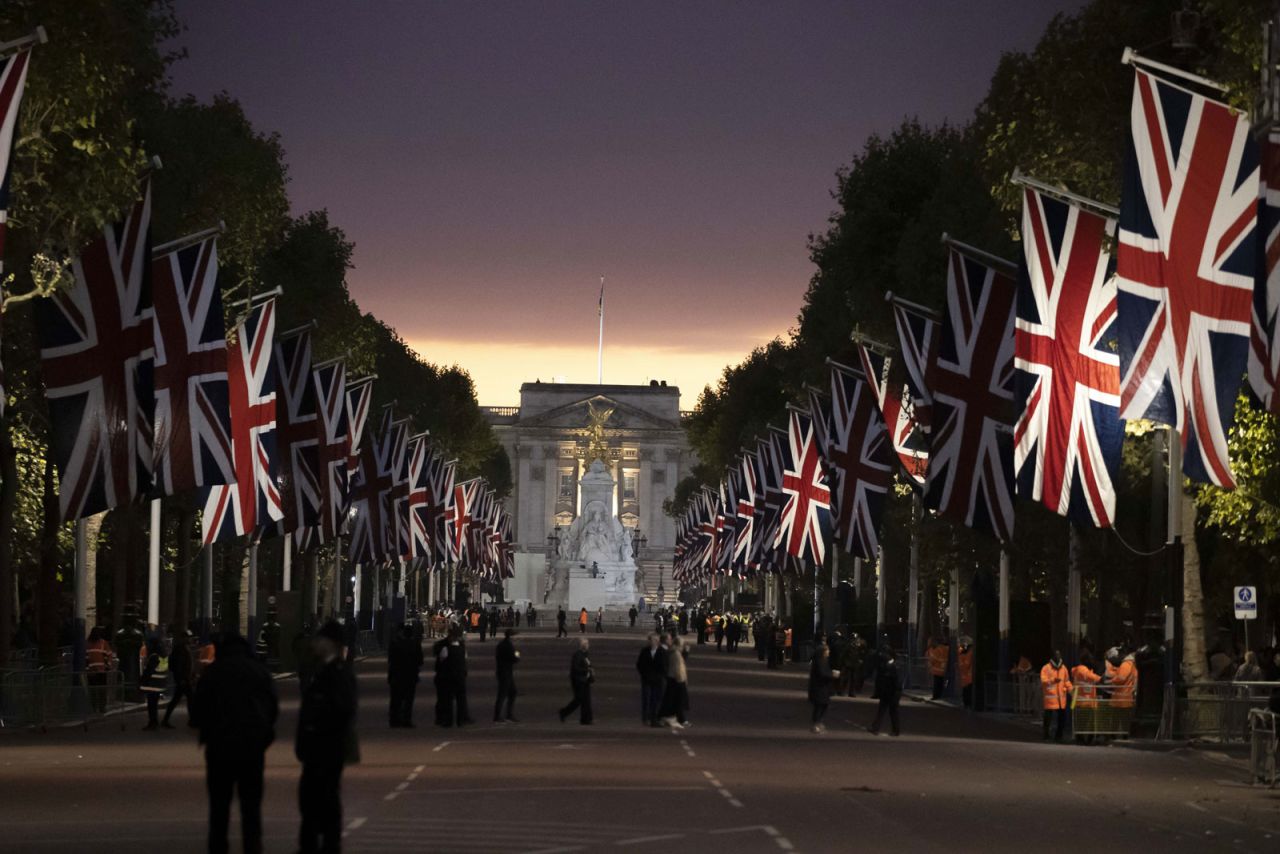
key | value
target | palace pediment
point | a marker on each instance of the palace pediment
(578, 416)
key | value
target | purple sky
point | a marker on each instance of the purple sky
(491, 160)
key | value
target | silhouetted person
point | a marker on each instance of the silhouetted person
(581, 678)
(506, 657)
(235, 709)
(182, 668)
(404, 660)
(326, 742)
(888, 689)
(562, 620)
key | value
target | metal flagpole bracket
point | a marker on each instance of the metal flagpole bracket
(981, 255)
(870, 343)
(1061, 195)
(38, 36)
(298, 330)
(857, 372)
(915, 307)
(254, 299)
(1132, 57)
(188, 240)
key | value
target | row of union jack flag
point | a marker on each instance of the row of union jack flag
(149, 397)
(1021, 382)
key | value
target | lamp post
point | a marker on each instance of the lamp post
(553, 550)
(662, 593)
(638, 541)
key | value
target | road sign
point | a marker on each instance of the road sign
(1246, 602)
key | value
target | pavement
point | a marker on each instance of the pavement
(748, 776)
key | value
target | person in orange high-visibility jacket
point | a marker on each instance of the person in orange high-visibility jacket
(1084, 677)
(1055, 683)
(582, 621)
(98, 659)
(964, 668)
(205, 656)
(1124, 683)
(938, 653)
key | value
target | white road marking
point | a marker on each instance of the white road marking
(639, 839)
(750, 827)
(441, 746)
(735, 802)
(402, 786)
(784, 843)
(356, 823)
(390, 796)
(419, 769)
(480, 791)
(708, 775)
(562, 850)
(1196, 806)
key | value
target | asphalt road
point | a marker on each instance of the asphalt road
(748, 776)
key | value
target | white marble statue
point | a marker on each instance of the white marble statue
(596, 537)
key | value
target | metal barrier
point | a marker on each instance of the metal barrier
(367, 642)
(1102, 716)
(1018, 695)
(51, 697)
(1262, 746)
(1212, 710)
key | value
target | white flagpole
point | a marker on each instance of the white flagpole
(153, 566)
(600, 348)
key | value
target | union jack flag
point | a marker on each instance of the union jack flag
(359, 400)
(421, 462)
(726, 518)
(766, 553)
(918, 339)
(1264, 345)
(508, 545)
(399, 541)
(746, 511)
(371, 493)
(893, 396)
(193, 424)
(253, 499)
(301, 485)
(971, 455)
(329, 382)
(13, 78)
(859, 462)
(96, 354)
(1186, 263)
(805, 522)
(443, 476)
(458, 519)
(1067, 440)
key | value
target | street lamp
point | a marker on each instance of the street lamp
(661, 590)
(638, 541)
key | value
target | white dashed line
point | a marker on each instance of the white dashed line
(402, 786)
(735, 802)
(441, 746)
(390, 796)
(356, 823)
(419, 769)
(640, 839)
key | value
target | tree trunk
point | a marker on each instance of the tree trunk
(92, 528)
(8, 501)
(1195, 662)
(47, 586)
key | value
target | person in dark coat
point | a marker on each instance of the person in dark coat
(581, 677)
(506, 657)
(451, 659)
(182, 668)
(235, 709)
(888, 689)
(404, 660)
(652, 667)
(562, 620)
(821, 680)
(444, 696)
(326, 741)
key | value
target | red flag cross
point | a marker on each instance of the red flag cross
(807, 482)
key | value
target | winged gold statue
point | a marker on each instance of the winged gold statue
(597, 416)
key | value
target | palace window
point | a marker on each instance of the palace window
(629, 487)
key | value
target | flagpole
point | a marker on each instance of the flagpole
(153, 566)
(600, 347)
(37, 36)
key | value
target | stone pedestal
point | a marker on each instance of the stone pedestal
(595, 539)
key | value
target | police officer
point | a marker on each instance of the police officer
(506, 657)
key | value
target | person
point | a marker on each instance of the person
(852, 666)
(404, 661)
(235, 710)
(1124, 679)
(581, 677)
(652, 667)
(762, 630)
(99, 660)
(1249, 671)
(506, 657)
(888, 689)
(452, 661)
(482, 623)
(325, 742)
(155, 678)
(599, 620)
(938, 652)
(531, 617)
(821, 678)
(1055, 684)
(633, 613)
(718, 622)
(733, 633)
(182, 668)
(582, 621)
(1085, 678)
(561, 620)
(964, 669)
(675, 696)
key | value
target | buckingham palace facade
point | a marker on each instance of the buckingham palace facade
(556, 432)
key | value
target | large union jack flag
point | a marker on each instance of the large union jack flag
(372, 530)
(96, 354)
(329, 383)
(1264, 344)
(1068, 437)
(745, 528)
(893, 396)
(766, 553)
(971, 446)
(459, 519)
(421, 462)
(1186, 263)
(253, 500)
(859, 462)
(359, 400)
(443, 475)
(396, 536)
(193, 421)
(13, 79)
(804, 524)
(918, 340)
(301, 483)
